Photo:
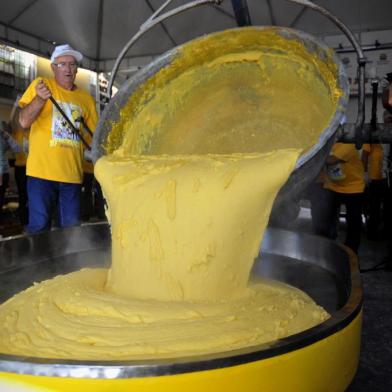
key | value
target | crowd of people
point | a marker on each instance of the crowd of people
(49, 135)
(361, 182)
(8, 143)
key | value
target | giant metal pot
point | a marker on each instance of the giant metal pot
(310, 162)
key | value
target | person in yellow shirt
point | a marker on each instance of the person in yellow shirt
(7, 143)
(374, 158)
(54, 164)
(345, 183)
(22, 138)
(387, 168)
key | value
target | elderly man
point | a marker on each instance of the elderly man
(54, 164)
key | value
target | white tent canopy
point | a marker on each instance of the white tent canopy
(101, 28)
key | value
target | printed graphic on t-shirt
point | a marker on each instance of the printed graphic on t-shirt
(62, 132)
(336, 172)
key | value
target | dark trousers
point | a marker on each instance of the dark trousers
(21, 185)
(329, 217)
(375, 201)
(87, 201)
(92, 201)
(3, 188)
(44, 196)
(387, 215)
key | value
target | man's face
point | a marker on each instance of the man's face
(65, 69)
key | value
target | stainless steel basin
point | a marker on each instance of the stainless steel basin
(322, 268)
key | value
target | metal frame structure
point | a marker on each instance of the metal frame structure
(354, 132)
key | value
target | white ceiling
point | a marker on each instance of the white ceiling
(101, 28)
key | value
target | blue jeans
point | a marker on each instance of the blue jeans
(44, 196)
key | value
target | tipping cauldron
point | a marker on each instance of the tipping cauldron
(125, 107)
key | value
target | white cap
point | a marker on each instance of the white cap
(66, 50)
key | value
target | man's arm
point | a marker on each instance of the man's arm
(15, 124)
(30, 112)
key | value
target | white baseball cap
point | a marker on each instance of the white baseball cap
(66, 50)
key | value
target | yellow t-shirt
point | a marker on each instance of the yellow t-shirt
(375, 161)
(55, 152)
(21, 136)
(346, 176)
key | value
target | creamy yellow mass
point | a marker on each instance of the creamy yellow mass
(192, 170)
(192, 225)
(185, 230)
(72, 316)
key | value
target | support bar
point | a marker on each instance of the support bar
(382, 133)
(241, 12)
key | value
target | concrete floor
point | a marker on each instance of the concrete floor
(375, 365)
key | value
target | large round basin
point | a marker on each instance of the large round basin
(323, 358)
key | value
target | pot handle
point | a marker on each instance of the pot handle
(361, 59)
(156, 18)
(153, 20)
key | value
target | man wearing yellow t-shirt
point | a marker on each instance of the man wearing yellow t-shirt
(54, 164)
(375, 157)
(345, 184)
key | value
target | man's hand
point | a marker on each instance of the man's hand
(43, 91)
(30, 112)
